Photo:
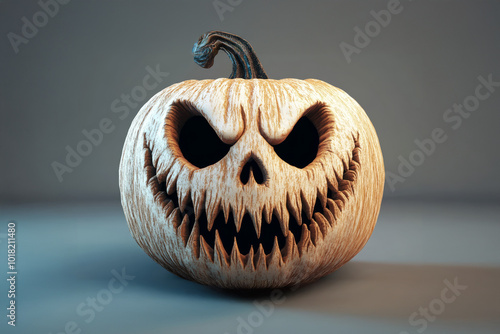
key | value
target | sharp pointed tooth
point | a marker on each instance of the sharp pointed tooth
(340, 205)
(295, 207)
(260, 259)
(330, 218)
(333, 184)
(283, 218)
(305, 240)
(155, 158)
(210, 220)
(274, 259)
(322, 191)
(206, 251)
(290, 248)
(171, 180)
(163, 176)
(322, 222)
(226, 210)
(171, 184)
(334, 208)
(350, 175)
(277, 212)
(285, 223)
(165, 201)
(238, 218)
(150, 172)
(249, 259)
(338, 176)
(194, 240)
(175, 217)
(169, 208)
(183, 230)
(307, 205)
(330, 204)
(257, 222)
(236, 257)
(212, 207)
(267, 213)
(220, 254)
(184, 197)
(355, 157)
(345, 163)
(211, 212)
(198, 202)
(345, 185)
(160, 197)
(340, 195)
(316, 235)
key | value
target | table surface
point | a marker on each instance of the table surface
(67, 255)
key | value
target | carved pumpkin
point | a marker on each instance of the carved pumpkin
(250, 182)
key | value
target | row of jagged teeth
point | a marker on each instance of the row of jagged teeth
(338, 183)
(341, 186)
(310, 236)
(254, 258)
(296, 208)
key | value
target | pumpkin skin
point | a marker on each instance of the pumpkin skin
(294, 226)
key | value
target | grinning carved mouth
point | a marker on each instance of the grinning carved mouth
(283, 235)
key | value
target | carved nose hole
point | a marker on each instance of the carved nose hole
(251, 166)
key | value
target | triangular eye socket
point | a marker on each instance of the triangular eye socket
(199, 143)
(300, 148)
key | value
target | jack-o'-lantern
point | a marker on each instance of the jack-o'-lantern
(250, 182)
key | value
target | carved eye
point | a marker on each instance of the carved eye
(299, 149)
(199, 143)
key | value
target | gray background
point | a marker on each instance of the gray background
(428, 58)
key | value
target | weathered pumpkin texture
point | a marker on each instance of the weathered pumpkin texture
(186, 218)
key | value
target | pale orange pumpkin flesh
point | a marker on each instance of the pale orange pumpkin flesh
(212, 192)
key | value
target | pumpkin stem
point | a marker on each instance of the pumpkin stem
(246, 65)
